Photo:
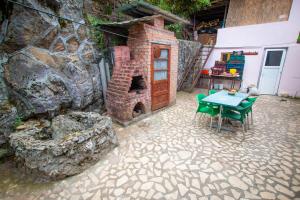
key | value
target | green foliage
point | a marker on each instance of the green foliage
(18, 121)
(97, 35)
(108, 9)
(95, 20)
(298, 39)
(183, 8)
(177, 29)
(163, 4)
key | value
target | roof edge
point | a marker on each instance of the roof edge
(158, 11)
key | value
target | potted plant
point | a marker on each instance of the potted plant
(298, 39)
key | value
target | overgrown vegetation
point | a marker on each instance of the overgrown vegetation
(184, 8)
(102, 40)
(97, 35)
(177, 29)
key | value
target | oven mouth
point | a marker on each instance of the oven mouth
(138, 110)
(137, 84)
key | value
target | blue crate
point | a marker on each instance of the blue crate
(236, 66)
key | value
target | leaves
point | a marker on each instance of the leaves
(181, 7)
(177, 29)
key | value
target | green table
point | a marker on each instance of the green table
(222, 98)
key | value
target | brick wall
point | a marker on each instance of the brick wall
(135, 59)
(162, 36)
(120, 103)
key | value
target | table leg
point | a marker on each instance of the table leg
(209, 85)
(233, 84)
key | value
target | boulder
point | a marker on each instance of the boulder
(62, 126)
(8, 116)
(41, 82)
(27, 26)
(36, 88)
(53, 64)
(58, 150)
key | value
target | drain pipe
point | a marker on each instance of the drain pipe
(103, 79)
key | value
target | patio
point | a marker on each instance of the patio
(167, 156)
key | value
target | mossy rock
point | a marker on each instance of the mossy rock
(3, 153)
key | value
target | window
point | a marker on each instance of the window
(161, 65)
(273, 58)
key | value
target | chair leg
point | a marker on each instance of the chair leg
(220, 124)
(195, 116)
(251, 118)
(244, 130)
(200, 117)
(248, 123)
(211, 121)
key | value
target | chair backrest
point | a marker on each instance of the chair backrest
(245, 104)
(199, 97)
(251, 99)
(212, 92)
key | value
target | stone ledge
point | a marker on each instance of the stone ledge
(76, 148)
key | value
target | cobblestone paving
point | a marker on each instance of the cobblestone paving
(168, 156)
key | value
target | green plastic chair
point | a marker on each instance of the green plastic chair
(238, 113)
(202, 106)
(214, 111)
(212, 92)
(246, 104)
(252, 100)
(206, 108)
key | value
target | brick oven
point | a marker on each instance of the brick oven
(145, 71)
(128, 91)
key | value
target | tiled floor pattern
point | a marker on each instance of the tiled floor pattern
(168, 156)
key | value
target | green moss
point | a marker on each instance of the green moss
(18, 121)
(3, 153)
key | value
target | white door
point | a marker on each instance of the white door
(271, 71)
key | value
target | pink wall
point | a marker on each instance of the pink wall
(252, 64)
(258, 38)
(290, 78)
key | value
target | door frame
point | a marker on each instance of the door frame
(284, 49)
(161, 46)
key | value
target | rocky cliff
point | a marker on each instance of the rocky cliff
(50, 64)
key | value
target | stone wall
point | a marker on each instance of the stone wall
(3, 89)
(53, 64)
(187, 50)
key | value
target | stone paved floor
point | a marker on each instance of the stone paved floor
(167, 156)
